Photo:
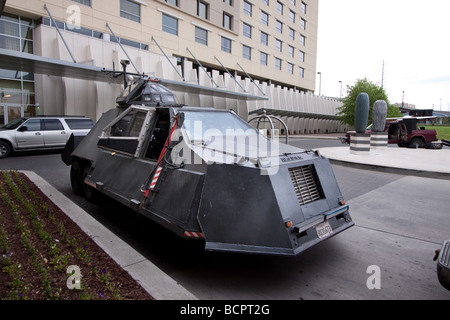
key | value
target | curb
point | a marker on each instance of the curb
(157, 283)
(382, 164)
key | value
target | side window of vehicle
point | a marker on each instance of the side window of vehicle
(76, 124)
(158, 137)
(52, 124)
(130, 125)
(125, 133)
(32, 125)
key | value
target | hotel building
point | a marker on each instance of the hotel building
(265, 48)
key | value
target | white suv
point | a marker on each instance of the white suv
(40, 133)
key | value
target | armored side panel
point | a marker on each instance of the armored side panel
(87, 148)
(283, 213)
(71, 145)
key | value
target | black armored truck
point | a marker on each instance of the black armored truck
(205, 173)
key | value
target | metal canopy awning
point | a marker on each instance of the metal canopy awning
(26, 62)
(294, 114)
(215, 92)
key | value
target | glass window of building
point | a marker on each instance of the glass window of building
(291, 51)
(292, 16)
(302, 56)
(172, 2)
(247, 30)
(301, 72)
(290, 68)
(279, 26)
(228, 2)
(130, 10)
(302, 40)
(263, 57)
(280, 7)
(303, 24)
(16, 87)
(170, 24)
(264, 38)
(278, 63)
(278, 45)
(291, 34)
(227, 21)
(264, 18)
(226, 45)
(85, 2)
(202, 9)
(201, 36)
(246, 52)
(247, 8)
(266, 2)
(303, 7)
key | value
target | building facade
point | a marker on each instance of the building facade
(262, 47)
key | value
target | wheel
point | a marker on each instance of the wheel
(5, 149)
(76, 178)
(417, 143)
(91, 194)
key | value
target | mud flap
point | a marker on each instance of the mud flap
(239, 212)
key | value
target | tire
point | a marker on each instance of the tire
(5, 149)
(76, 178)
(417, 143)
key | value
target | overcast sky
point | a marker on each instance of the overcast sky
(411, 36)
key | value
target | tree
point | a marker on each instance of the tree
(347, 111)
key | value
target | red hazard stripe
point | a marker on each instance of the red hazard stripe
(155, 178)
(192, 234)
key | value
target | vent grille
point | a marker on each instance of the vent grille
(305, 184)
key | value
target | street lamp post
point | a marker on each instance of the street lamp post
(403, 99)
(340, 91)
(320, 82)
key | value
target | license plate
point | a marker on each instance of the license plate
(324, 230)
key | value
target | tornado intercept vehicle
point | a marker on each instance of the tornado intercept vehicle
(205, 173)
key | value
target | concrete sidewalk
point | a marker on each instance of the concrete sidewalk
(421, 162)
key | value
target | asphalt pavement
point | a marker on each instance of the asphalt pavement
(406, 219)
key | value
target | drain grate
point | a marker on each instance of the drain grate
(305, 184)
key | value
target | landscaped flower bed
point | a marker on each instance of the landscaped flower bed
(44, 255)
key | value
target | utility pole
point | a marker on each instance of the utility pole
(320, 83)
(382, 75)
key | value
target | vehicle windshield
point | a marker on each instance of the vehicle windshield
(202, 125)
(14, 124)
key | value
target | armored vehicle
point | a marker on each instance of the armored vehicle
(205, 173)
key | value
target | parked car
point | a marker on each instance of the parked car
(40, 133)
(405, 133)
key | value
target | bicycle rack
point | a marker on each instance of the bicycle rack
(270, 118)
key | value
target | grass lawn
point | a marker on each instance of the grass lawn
(443, 132)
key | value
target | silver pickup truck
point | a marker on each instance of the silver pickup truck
(40, 133)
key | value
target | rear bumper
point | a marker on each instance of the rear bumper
(303, 236)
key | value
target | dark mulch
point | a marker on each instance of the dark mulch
(38, 243)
